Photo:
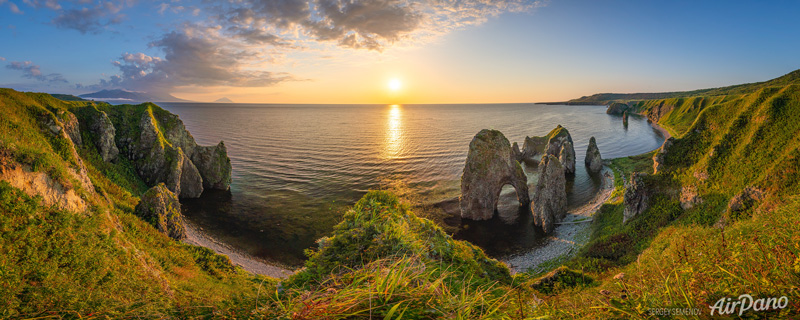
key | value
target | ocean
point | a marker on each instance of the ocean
(297, 168)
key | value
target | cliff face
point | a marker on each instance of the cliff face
(558, 143)
(160, 148)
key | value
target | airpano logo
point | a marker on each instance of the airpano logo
(746, 302)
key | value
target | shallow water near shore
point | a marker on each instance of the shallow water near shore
(296, 168)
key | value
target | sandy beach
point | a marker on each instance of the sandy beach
(249, 263)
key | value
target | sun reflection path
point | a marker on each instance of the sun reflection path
(395, 139)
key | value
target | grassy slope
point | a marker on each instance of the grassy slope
(103, 262)
(749, 136)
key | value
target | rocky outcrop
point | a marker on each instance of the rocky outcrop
(214, 166)
(549, 203)
(105, 136)
(744, 201)
(533, 148)
(154, 158)
(71, 126)
(516, 154)
(625, 118)
(52, 193)
(659, 157)
(617, 108)
(191, 184)
(690, 197)
(160, 207)
(489, 166)
(560, 145)
(557, 143)
(636, 198)
(567, 157)
(593, 160)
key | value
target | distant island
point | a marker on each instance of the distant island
(119, 95)
(224, 100)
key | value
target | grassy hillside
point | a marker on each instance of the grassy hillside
(728, 140)
(606, 98)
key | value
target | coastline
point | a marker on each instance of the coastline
(570, 235)
(660, 130)
(251, 264)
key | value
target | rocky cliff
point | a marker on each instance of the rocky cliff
(160, 207)
(489, 166)
(158, 145)
(549, 203)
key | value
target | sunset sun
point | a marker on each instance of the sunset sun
(395, 85)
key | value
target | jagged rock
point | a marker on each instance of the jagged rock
(553, 143)
(533, 148)
(625, 118)
(489, 166)
(567, 157)
(636, 198)
(593, 159)
(549, 203)
(516, 153)
(744, 200)
(689, 197)
(214, 166)
(560, 145)
(71, 126)
(160, 207)
(191, 181)
(617, 108)
(659, 157)
(105, 133)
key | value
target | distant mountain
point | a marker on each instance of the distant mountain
(66, 97)
(119, 95)
(224, 100)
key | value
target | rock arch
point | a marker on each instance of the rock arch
(490, 165)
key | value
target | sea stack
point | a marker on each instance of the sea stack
(489, 166)
(557, 143)
(549, 204)
(593, 159)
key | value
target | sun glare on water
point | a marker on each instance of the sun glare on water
(395, 85)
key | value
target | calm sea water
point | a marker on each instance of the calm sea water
(296, 168)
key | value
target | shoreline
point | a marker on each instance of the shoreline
(660, 130)
(251, 264)
(568, 236)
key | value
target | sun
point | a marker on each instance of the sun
(395, 85)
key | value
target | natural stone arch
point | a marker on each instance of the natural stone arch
(490, 165)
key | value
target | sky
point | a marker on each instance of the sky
(393, 51)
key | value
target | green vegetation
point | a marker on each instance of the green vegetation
(382, 261)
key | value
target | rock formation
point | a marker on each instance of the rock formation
(659, 157)
(560, 145)
(71, 126)
(625, 118)
(636, 198)
(744, 201)
(159, 147)
(489, 166)
(617, 108)
(553, 143)
(689, 197)
(105, 134)
(214, 166)
(160, 207)
(549, 203)
(593, 159)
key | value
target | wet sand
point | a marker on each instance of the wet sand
(249, 263)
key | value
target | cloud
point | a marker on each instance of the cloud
(90, 19)
(32, 71)
(373, 24)
(14, 9)
(2, 59)
(49, 4)
(192, 57)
